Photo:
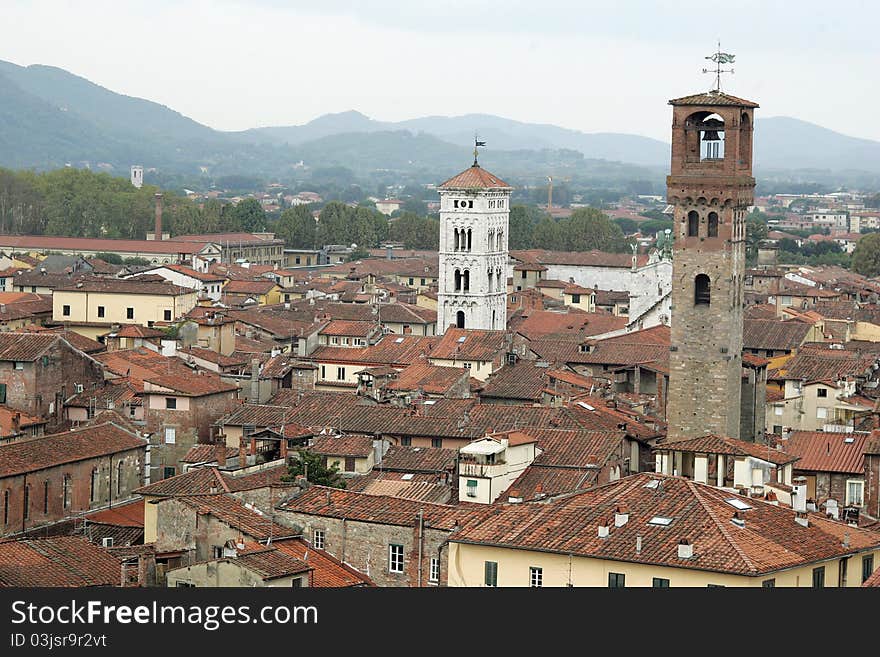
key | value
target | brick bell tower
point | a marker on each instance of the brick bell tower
(710, 186)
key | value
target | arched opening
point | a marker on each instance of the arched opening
(745, 140)
(491, 239)
(702, 293)
(459, 319)
(456, 240)
(713, 224)
(457, 280)
(489, 274)
(500, 241)
(466, 283)
(712, 138)
(693, 221)
(469, 239)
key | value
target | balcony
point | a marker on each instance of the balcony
(473, 468)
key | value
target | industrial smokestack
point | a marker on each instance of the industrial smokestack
(158, 227)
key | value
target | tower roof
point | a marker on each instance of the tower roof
(475, 176)
(713, 98)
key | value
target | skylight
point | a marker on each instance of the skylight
(399, 340)
(407, 476)
(586, 405)
(654, 483)
(738, 504)
(462, 338)
(849, 440)
(660, 521)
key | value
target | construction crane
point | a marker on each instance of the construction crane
(549, 194)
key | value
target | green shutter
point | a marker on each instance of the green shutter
(491, 573)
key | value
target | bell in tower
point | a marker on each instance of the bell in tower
(713, 143)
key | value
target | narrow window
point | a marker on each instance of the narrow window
(318, 541)
(469, 235)
(93, 485)
(467, 280)
(395, 558)
(702, 294)
(65, 491)
(459, 319)
(26, 502)
(713, 224)
(490, 572)
(819, 577)
(457, 280)
(45, 497)
(129, 313)
(434, 570)
(100, 311)
(65, 310)
(6, 510)
(170, 435)
(120, 471)
(867, 563)
(167, 315)
(693, 224)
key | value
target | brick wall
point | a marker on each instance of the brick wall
(43, 509)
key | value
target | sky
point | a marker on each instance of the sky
(582, 64)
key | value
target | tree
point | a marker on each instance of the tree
(111, 258)
(312, 466)
(588, 229)
(523, 221)
(416, 232)
(756, 232)
(248, 216)
(866, 257)
(296, 226)
(628, 226)
(548, 234)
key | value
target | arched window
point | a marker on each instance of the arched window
(455, 240)
(745, 140)
(702, 293)
(491, 239)
(489, 275)
(459, 319)
(467, 280)
(457, 280)
(693, 220)
(713, 224)
(499, 246)
(469, 239)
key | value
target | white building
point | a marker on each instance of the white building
(474, 217)
(137, 176)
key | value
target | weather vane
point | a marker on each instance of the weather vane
(477, 143)
(719, 58)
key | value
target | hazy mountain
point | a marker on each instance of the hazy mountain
(49, 117)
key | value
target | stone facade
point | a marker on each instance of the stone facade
(710, 193)
(473, 256)
(366, 546)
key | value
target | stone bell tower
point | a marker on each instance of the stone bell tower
(710, 187)
(474, 217)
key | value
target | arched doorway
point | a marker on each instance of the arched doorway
(459, 319)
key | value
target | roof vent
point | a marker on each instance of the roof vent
(515, 497)
(605, 528)
(737, 520)
(685, 549)
(621, 515)
(800, 518)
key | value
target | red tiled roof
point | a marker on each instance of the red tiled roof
(234, 239)
(74, 445)
(418, 459)
(192, 273)
(124, 515)
(770, 539)
(24, 420)
(271, 563)
(470, 344)
(390, 350)
(430, 379)
(475, 177)
(138, 331)
(68, 561)
(25, 346)
(235, 514)
(124, 286)
(249, 287)
(191, 384)
(581, 258)
(716, 98)
(52, 243)
(357, 446)
(206, 454)
(573, 325)
(820, 363)
(349, 328)
(826, 451)
(381, 509)
(209, 480)
(774, 334)
(328, 572)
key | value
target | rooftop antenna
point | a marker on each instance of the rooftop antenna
(477, 144)
(720, 58)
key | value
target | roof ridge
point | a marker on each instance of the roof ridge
(725, 532)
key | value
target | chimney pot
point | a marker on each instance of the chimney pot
(685, 549)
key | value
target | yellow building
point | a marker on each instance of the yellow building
(92, 305)
(661, 531)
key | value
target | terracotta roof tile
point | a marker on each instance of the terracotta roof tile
(470, 344)
(418, 459)
(124, 515)
(430, 379)
(475, 177)
(713, 98)
(825, 451)
(773, 334)
(69, 561)
(711, 444)
(770, 539)
(124, 286)
(74, 445)
(249, 521)
(357, 446)
(328, 572)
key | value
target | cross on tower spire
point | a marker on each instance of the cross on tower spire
(719, 58)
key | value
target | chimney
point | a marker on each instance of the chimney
(220, 451)
(801, 518)
(638, 544)
(255, 381)
(605, 528)
(158, 228)
(685, 549)
(16, 423)
(539, 492)
(242, 451)
(738, 520)
(514, 497)
(621, 515)
(799, 494)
